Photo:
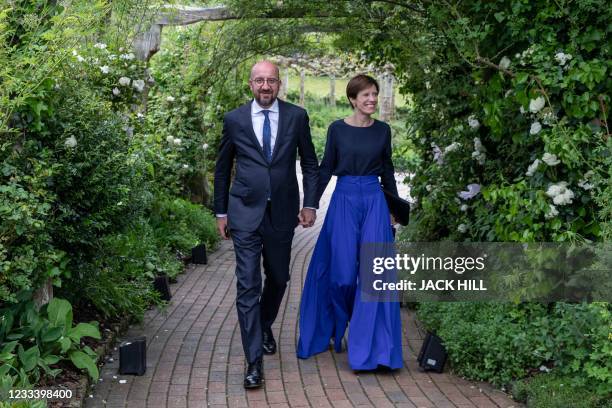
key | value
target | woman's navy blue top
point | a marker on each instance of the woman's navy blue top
(357, 151)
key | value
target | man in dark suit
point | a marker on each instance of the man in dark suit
(261, 209)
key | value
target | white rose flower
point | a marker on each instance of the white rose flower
(556, 189)
(560, 194)
(473, 122)
(552, 212)
(504, 63)
(535, 128)
(170, 98)
(170, 139)
(70, 142)
(532, 168)
(451, 147)
(177, 141)
(480, 157)
(124, 81)
(462, 228)
(116, 91)
(438, 155)
(562, 58)
(139, 84)
(550, 159)
(564, 198)
(105, 69)
(585, 185)
(472, 190)
(536, 104)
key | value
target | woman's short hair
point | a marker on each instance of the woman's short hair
(357, 84)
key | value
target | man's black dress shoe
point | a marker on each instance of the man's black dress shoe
(254, 375)
(269, 344)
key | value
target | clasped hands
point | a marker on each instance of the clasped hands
(307, 217)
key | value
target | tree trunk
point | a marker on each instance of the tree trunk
(302, 79)
(332, 91)
(44, 294)
(386, 96)
(284, 91)
(392, 96)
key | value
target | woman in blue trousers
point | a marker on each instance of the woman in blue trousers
(358, 152)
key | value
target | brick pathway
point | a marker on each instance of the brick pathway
(195, 358)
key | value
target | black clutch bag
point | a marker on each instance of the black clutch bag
(398, 207)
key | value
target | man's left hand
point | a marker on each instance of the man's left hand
(307, 217)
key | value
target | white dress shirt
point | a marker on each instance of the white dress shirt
(258, 117)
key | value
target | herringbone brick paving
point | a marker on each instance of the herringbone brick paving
(195, 357)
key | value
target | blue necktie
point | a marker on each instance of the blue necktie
(267, 136)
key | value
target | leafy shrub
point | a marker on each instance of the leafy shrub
(27, 257)
(500, 342)
(181, 225)
(556, 391)
(119, 281)
(34, 342)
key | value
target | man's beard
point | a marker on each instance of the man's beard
(261, 102)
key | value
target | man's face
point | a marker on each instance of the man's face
(264, 84)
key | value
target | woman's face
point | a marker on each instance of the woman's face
(366, 101)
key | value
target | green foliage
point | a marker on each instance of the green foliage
(34, 342)
(555, 391)
(25, 232)
(502, 342)
(181, 225)
(118, 281)
(495, 86)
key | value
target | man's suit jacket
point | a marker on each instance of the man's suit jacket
(255, 179)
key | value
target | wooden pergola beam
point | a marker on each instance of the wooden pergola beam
(148, 42)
